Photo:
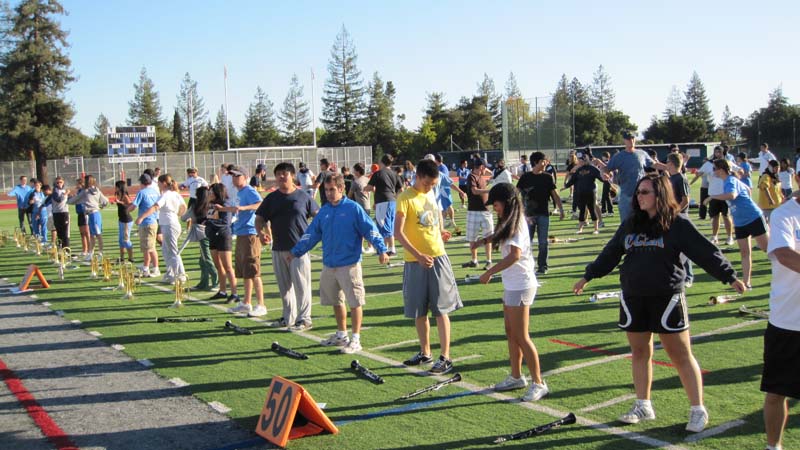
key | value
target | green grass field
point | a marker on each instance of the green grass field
(236, 370)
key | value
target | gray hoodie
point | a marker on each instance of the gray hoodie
(92, 199)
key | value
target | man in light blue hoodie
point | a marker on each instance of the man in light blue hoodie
(21, 192)
(341, 224)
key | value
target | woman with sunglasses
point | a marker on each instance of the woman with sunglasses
(652, 299)
(748, 219)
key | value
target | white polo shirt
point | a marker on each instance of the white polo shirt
(784, 297)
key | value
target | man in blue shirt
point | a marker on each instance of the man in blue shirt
(21, 192)
(341, 224)
(248, 247)
(147, 196)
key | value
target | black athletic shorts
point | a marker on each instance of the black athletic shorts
(83, 220)
(717, 207)
(219, 239)
(781, 362)
(656, 314)
(754, 228)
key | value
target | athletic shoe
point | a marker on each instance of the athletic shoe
(155, 272)
(488, 265)
(335, 341)
(368, 251)
(596, 232)
(601, 224)
(145, 273)
(258, 311)
(442, 365)
(391, 253)
(218, 295)
(637, 413)
(176, 304)
(687, 285)
(351, 347)
(714, 240)
(233, 298)
(510, 383)
(536, 392)
(730, 241)
(240, 307)
(418, 359)
(88, 257)
(280, 323)
(300, 326)
(541, 271)
(698, 418)
(470, 264)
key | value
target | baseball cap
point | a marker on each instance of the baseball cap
(237, 170)
(501, 192)
(627, 134)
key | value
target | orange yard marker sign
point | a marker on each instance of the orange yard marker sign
(33, 269)
(290, 413)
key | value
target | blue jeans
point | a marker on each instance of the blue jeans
(540, 225)
(624, 205)
(124, 235)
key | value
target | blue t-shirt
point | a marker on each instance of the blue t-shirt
(746, 177)
(630, 169)
(463, 175)
(246, 220)
(144, 200)
(38, 201)
(21, 192)
(743, 209)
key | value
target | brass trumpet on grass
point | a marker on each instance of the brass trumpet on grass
(96, 262)
(107, 269)
(128, 280)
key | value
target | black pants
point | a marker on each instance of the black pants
(23, 213)
(61, 224)
(605, 200)
(703, 207)
(586, 200)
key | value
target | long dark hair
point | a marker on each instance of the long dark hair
(508, 224)
(220, 193)
(121, 189)
(201, 203)
(667, 208)
(772, 173)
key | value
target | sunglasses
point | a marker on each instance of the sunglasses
(644, 192)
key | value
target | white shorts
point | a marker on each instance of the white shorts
(479, 225)
(519, 298)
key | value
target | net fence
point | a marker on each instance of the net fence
(538, 124)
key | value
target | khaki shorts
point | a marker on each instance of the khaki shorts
(337, 284)
(248, 256)
(147, 237)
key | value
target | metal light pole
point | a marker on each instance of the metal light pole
(313, 112)
(227, 127)
(191, 124)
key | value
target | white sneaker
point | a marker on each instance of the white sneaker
(536, 392)
(352, 347)
(368, 251)
(258, 311)
(155, 272)
(698, 418)
(240, 307)
(714, 240)
(730, 241)
(176, 304)
(335, 341)
(510, 383)
(637, 413)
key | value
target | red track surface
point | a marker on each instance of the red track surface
(49, 427)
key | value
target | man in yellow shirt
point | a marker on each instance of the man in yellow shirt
(428, 280)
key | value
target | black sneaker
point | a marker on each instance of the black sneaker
(418, 359)
(470, 264)
(541, 271)
(218, 296)
(442, 365)
(233, 298)
(391, 253)
(488, 265)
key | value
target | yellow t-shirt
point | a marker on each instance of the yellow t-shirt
(421, 227)
(766, 183)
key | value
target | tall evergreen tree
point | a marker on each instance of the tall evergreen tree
(145, 108)
(695, 104)
(602, 94)
(98, 144)
(259, 122)
(177, 132)
(674, 103)
(730, 127)
(343, 110)
(219, 133)
(379, 131)
(512, 89)
(194, 113)
(34, 74)
(494, 106)
(295, 116)
(436, 110)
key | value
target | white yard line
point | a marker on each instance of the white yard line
(395, 344)
(608, 403)
(716, 430)
(464, 358)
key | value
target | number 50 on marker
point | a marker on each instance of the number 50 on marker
(285, 401)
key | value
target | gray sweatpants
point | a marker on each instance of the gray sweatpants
(294, 285)
(169, 249)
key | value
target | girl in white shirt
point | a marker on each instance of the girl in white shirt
(785, 176)
(170, 207)
(519, 288)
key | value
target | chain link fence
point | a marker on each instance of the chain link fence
(176, 164)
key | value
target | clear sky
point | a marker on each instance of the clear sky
(742, 50)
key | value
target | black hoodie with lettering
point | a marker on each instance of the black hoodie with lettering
(652, 266)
